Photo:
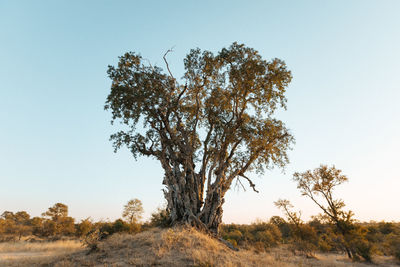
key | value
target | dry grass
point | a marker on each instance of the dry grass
(283, 257)
(65, 245)
(188, 247)
(171, 247)
(177, 247)
(33, 254)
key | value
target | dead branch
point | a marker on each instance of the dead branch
(166, 62)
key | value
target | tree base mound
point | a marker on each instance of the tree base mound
(178, 246)
(183, 246)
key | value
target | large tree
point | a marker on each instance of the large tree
(207, 129)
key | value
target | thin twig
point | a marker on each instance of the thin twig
(166, 62)
(148, 61)
(238, 182)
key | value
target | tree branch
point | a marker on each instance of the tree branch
(166, 62)
(252, 185)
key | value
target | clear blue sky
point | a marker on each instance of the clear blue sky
(343, 103)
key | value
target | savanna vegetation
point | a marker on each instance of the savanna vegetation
(334, 230)
(56, 232)
(208, 130)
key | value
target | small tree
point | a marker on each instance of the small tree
(57, 211)
(84, 227)
(22, 222)
(133, 211)
(16, 224)
(319, 185)
(282, 225)
(293, 217)
(58, 222)
(305, 238)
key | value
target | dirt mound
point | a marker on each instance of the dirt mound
(165, 247)
(188, 247)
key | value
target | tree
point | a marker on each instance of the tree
(318, 185)
(304, 237)
(84, 227)
(7, 215)
(59, 223)
(58, 210)
(37, 226)
(208, 130)
(293, 217)
(22, 223)
(16, 224)
(133, 211)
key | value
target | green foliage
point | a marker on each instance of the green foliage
(215, 126)
(260, 235)
(160, 218)
(118, 226)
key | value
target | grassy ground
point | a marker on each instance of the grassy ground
(35, 254)
(163, 247)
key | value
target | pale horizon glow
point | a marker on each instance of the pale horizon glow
(343, 102)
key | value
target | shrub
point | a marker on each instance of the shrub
(393, 245)
(283, 226)
(117, 226)
(235, 235)
(305, 239)
(84, 227)
(160, 218)
(364, 249)
(91, 240)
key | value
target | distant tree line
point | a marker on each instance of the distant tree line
(55, 224)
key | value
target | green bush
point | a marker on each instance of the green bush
(160, 218)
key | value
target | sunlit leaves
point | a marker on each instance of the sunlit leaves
(220, 115)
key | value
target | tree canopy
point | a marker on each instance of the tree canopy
(319, 185)
(133, 210)
(207, 129)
